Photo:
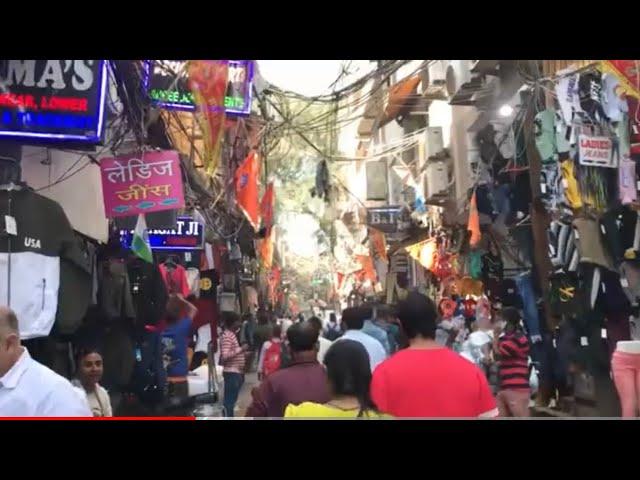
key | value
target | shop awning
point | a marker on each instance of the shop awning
(401, 96)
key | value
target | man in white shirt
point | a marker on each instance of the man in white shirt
(27, 388)
(323, 343)
(352, 322)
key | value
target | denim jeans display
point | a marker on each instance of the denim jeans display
(529, 304)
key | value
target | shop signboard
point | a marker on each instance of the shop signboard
(390, 219)
(52, 100)
(141, 183)
(166, 82)
(188, 234)
(596, 152)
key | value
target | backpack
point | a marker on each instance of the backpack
(272, 358)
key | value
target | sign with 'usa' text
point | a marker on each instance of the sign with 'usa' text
(141, 183)
(52, 100)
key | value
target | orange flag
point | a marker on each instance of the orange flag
(474, 222)
(368, 271)
(208, 83)
(379, 244)
(265, 247)
(246, 186)
(266, 208)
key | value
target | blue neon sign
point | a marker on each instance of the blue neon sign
(53, 100)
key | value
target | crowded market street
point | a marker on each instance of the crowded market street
(320, 239)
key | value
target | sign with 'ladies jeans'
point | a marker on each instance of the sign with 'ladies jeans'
(141, 183)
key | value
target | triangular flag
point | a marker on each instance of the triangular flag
(140, 243)
(246, 186)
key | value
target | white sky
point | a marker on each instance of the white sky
(309, 77)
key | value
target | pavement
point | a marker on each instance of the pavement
(244, 399)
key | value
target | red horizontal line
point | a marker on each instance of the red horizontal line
(100, 418)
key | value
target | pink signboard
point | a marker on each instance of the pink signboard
(141, 183)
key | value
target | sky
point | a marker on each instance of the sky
(306, 77)
(310, 78)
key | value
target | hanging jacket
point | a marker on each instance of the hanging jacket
(148, 291)
(114, 296)
(76, 289)
(32, 270)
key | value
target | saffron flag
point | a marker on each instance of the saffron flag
(266, 208)
(628, 73)
(474, 222)
(208, 83)
(246, 188)
(266, 247)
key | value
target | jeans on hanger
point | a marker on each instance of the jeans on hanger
(530, 308)
(502, 203)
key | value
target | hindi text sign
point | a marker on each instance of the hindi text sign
(141, 183)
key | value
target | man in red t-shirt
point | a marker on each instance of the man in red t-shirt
(426, 379)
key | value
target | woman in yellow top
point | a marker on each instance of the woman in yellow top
(349, 376)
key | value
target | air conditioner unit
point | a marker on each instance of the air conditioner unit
(438, 72)
(433, 142)
(436, 178)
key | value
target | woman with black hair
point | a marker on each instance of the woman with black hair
(349, 376)
(88, 375)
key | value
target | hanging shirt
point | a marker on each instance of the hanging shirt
(513, 369)
(175, 279)
(634, 124)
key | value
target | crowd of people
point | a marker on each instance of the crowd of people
(377, 362)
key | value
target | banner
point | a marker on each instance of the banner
(266, 208)
(208, 83)
(246, 187)
(141, 183)
(628, 72)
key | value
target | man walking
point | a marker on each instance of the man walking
(27, 388)
(304, 380)
(428, 380)
(352, 321)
